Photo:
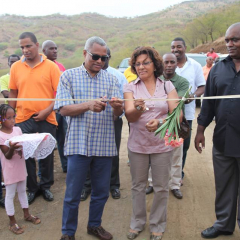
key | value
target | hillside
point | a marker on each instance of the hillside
(219, 46)
(121, 34)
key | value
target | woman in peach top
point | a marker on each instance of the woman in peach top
(144, 147)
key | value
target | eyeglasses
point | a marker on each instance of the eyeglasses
(232, 39)
(95, 57)
(144, 64)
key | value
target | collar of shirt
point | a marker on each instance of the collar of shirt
(173, 79)
(43, 57)
(138, 80)
(89, 75)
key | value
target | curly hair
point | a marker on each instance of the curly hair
(152, 54)
(3, 111)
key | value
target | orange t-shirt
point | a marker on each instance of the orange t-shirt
(41, 81)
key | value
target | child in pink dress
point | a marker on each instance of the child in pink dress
(13, 169)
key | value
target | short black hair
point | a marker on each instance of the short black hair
(181, 40)
(13, 55)
(28, 35)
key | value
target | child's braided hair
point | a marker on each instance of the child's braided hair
(3, 111)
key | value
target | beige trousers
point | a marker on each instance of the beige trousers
(161, 167)
(176, 169)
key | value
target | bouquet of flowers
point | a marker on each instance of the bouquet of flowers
(169, 129)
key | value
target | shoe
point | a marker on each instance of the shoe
(47, 195)
(2, 202)
(99, 232)
(155, 237)
(115, 193)
(3, 185)
(213, 233)
(132, 235)
(84, 195)
(32, 196)
(149, 189)
(177, 193)
(66, 237)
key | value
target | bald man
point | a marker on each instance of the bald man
(224, 79)
(181, 84)
(206, 69)
(49, 49)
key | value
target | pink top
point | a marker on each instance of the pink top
(60, 66)
(14, 170)
(213, 55)
(140, 140)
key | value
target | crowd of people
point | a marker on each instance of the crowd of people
(86, 120)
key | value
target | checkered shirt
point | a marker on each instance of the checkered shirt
(90, 133)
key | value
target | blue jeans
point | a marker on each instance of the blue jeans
(60, 137)
(100, 171)
(186, 145)
(0, 181)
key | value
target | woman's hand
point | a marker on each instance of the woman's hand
(139, 104)
(152, 125)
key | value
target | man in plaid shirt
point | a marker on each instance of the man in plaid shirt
(90, 100)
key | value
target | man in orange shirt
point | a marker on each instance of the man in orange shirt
(206, 69)
(34, 76)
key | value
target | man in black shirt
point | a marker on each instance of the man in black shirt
(224, 79)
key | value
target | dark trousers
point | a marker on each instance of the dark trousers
(60, 137)
(100, 169)
(0, 181)
(227, 182)
(186, 145)
(46, 164)
(115, 180)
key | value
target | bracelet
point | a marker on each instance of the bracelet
(160, 122)
(139, 109)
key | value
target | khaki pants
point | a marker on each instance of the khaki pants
(161, 167)
(176, 169)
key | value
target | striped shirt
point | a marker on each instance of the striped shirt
(90, 133)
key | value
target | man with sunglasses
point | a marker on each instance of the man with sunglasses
(224, 80)
(91, 102)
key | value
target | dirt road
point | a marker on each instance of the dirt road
(186, 217)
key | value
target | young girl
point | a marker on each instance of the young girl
(13, 169)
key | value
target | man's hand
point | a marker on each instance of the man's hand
(41, 115)
(116, 103)
(189, 100)
(97, 106)
(200, 142)
(152, 125)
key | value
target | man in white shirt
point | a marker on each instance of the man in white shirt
(192, 71)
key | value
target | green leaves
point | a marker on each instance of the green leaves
(172, 122)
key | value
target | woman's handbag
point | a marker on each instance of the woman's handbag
(184, 130)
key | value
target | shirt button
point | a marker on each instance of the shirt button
(233, 88)
(236, 76)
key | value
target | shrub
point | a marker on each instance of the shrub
(3, 46)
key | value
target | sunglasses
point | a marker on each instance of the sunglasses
(95, 57)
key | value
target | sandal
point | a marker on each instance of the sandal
(33, 219)
(156, 237)
(16, 229)
(132, 235)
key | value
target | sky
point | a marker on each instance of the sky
(113, 8)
